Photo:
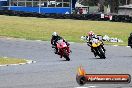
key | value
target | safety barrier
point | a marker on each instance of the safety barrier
(96, 17)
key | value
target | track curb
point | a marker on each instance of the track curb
(28, 62)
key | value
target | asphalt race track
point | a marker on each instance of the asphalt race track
(50, 71)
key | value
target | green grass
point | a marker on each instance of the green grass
(71, 30)
(5, 60)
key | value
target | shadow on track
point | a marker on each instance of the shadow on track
(97, 58)
(65, 60)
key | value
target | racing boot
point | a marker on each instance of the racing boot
(56, 50)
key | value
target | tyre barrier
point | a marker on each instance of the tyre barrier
(93, 17)
(122, 18)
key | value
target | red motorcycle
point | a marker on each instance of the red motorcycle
(63, 49)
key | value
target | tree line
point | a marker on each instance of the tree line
(114, 4)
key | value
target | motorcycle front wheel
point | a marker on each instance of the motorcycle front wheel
(102, 54)
(66, 56)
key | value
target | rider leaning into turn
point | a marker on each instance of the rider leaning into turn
(89, 37)
(55, 38)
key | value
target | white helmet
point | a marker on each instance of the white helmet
(54, 34)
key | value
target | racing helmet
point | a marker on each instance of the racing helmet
(91, 33)
(54, 34)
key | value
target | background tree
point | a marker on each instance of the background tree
(129, 1)
(114, 4)
(101, 5)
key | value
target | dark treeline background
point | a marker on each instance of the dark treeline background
(101, 3)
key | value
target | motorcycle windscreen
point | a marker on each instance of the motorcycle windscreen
(63, 45)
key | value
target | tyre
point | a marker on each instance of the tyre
(67, 58)
(66, 55)
(102, 53)
(81, 80)
(129, 41)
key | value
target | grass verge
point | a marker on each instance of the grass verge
(42, 28)
(5, 60)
